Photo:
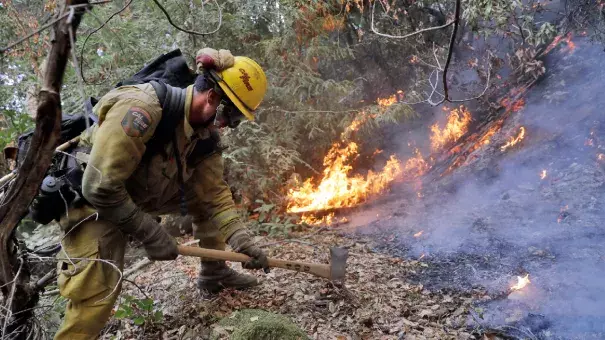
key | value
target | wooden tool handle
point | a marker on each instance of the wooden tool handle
(322, 270)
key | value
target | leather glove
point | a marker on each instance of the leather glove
(158, 244)
(209, 58)
(241, 242)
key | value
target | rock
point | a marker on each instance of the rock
(252, 324)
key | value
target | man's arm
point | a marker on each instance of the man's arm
(215, 197)
(118, 147)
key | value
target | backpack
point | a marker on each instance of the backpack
(168, 74)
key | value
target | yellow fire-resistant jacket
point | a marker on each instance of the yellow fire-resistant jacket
(121, 186)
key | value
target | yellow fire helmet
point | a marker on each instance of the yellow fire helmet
(244, 83)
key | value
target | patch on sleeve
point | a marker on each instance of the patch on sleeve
(136, 122)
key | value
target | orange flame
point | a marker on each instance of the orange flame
(338, 188)
(514, 140)
(324, 220)
(386, 102)
(543, 174)
(418, 234)
(414, 60)
(601, 157)
(521, 283)
(457, 125)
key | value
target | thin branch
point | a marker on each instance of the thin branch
(413, 33)
(44, 27)
(451, 48)
(93, 32)
(10, 46)
(220, 20)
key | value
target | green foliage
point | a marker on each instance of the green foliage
(139, 312)
(324, 65)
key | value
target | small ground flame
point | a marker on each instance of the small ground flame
(514, 140)
(601, 157)
(457, 125)
(543, 174)
(418, 234)
(324, 220)
(521, 283)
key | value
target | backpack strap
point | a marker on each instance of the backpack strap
(172, 100)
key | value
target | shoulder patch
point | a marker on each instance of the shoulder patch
(136, 122)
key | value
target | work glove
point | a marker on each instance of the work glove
(241, 242)
(158, 244)
(209, 58)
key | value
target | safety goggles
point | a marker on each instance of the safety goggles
(230, 114)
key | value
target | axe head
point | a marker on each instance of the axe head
(338, 263)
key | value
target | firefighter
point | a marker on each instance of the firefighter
(124, 190)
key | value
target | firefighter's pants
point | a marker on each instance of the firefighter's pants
(92, 285)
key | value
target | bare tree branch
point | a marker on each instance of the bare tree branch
(451, 49)
(32, 171)
(220, 19)
(46, 26)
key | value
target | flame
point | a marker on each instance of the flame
(414, 60)
(324, 220)
(514, 140)
(457, 125)
(338, 188)
(386, 102)
(543, 174)
(521, 283)
(421, 257)
(418, 234)
(601, 157)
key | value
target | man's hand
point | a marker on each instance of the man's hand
(159, 245)
(241, 242)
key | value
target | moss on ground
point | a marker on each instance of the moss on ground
(255, 324)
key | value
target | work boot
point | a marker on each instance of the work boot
(217, 275)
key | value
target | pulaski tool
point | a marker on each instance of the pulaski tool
(333, 271)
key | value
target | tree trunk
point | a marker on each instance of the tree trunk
(19, 294)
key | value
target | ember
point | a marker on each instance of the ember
(543, 174)
(601, 157)
(514, 140)
(457, 125)
(418, 234)
(521, 283)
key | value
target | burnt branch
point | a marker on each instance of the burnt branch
(23, 189)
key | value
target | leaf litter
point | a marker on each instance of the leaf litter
(376, 301)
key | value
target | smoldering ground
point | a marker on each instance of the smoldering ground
(537, 208)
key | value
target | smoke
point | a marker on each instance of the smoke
(496, 218)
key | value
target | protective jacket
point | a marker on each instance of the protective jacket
(123, 180)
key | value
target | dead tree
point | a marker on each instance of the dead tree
(20, 296)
